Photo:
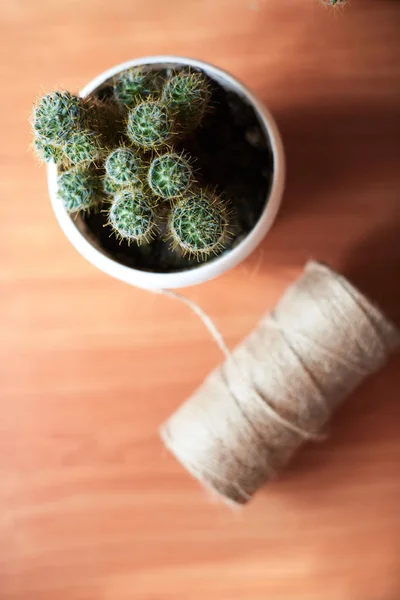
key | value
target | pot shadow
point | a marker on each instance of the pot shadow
(334, 153)
(352, 480)
(373, 266)
(329, 147)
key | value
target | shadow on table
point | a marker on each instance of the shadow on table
(340, 158)
(336, 153)
(373, 265)
(331, 147)
(361, 453)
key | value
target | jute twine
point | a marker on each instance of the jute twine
(280, 387)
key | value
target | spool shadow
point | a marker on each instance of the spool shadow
(373, 266)
(352, 476)
(335, 153)
(369, 419)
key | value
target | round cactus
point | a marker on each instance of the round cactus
(186, 96)
(110, 187)
(149, 125)
(47, 151)
(56, 116)
(123, 166)
(79, 189)
(170, 175)
(133, 86)
(132, 217)
(198, 224)
(82, 146)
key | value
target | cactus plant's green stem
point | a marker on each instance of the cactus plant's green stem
(131, 217)
(170, 175)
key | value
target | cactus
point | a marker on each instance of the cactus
(123, 166)
(198, 224)
(149, 125)
(79, 189)
(133, 86)
(68, 127)
(110, 187)
(47, 151)
(57, 116)
(82, 146)
(170, 175)
(125, 149)
(132, 217)
(186, 96)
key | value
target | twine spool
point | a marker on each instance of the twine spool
(280, 387)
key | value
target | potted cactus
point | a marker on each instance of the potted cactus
(164, 172)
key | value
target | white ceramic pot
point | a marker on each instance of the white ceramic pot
(87, 245)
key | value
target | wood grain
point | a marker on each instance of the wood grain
(91, 505)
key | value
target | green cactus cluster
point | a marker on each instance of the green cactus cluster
(140, 173)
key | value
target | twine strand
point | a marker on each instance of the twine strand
(247, 388)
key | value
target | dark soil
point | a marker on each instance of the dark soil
(232, 155)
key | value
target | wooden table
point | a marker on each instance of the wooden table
(91, 505)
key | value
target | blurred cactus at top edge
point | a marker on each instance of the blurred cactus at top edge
(333, 2)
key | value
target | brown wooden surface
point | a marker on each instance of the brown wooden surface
(91, 505)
